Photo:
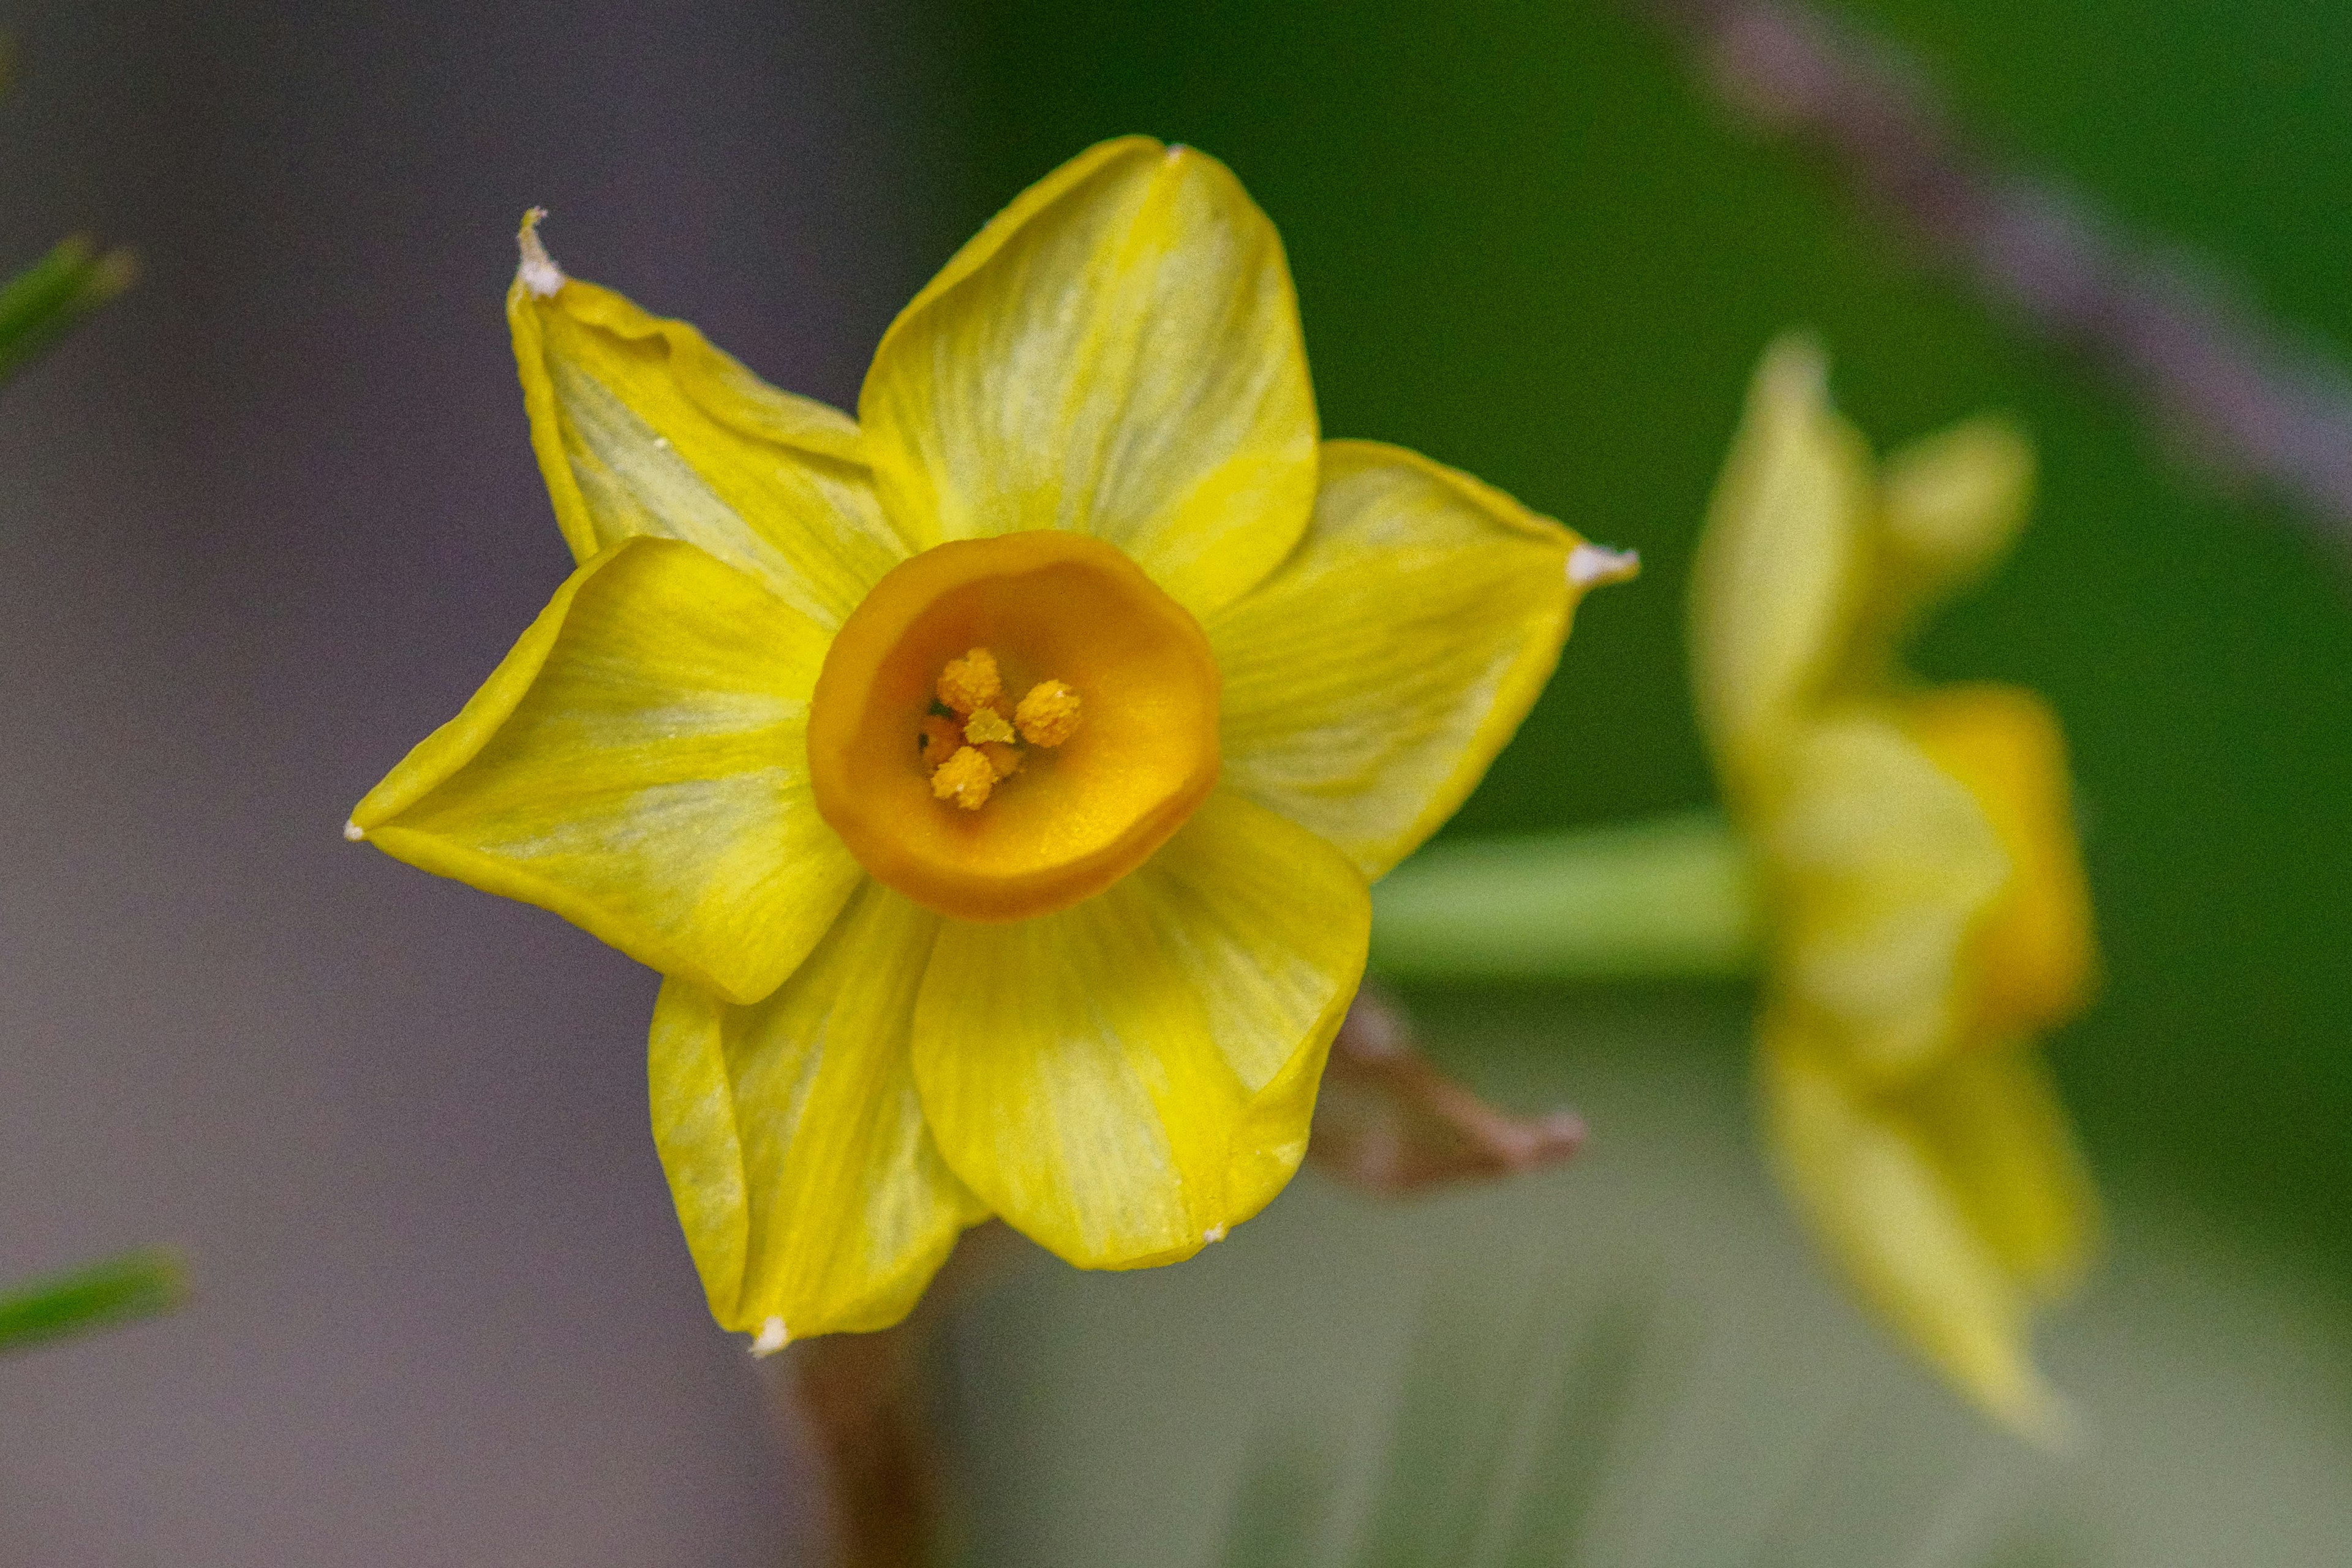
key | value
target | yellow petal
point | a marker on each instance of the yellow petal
(1953, 502)
(638, 764)
(1994, 1121)
(1125, 1079)
(1880, 863)
(1774, 580)
(642, 427)
(2033, 958)
(1371, 680)
(1873, 1193)
(1949, 507)
(1117, 353)
(812, 1195)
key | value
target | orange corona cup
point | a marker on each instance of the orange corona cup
(1051, 607)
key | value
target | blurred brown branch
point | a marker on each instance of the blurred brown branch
(858, 1402)
(1389, 1122)
(858, 1407)
(2245, 395)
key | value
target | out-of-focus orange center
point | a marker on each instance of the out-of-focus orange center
(951, 785)
(2031, 961)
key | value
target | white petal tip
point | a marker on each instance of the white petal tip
(353, 832)
(1214, 1233)
(537, 271)
(1590, 565)
(770, 1338)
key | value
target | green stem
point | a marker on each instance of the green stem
(40, 302)
(133, 1284)
(1669, 898)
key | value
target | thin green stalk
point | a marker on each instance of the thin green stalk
(39, 303)
(1670, 899)
(134, 1285)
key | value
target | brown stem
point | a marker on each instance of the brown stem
(857, 1406)
(858, 1403)
(1390, 1123)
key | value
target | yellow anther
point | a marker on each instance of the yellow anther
(987, 724)
(1005, 758)
(971, 681)
(939, 739)
(965, 778)
(1048, 715)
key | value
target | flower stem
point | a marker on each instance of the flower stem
(134, 1285)
(1668, 898)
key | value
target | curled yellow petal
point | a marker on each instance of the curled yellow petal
(638, 764)
(1992, 1119)
(1953, 502)
(643, 428)
(1371, 679)
(1773, 583)
(1879, 865)
(1864, 1177)
(1126, 1079)
(813, 1197)
(1117, 353)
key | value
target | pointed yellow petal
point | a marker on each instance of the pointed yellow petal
(811, 1192)
(638, 764)
(1126, 1079)
(1881, 864)
(642, 427)
(1117, 353)
(1995, 1124)
(1772, 586)
(1371, 680)
(1877, 1200)
(1953, 502)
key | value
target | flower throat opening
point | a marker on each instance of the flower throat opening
(1004, 726)
(970, 741)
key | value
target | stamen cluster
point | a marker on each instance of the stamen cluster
(970, 742)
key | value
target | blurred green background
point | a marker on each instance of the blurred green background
(1527, 244)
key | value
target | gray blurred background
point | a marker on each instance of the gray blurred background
(267, 521)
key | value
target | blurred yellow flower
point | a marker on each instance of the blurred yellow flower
(996, 778)
(1926, 911)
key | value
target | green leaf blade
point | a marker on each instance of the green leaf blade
(142, 1284)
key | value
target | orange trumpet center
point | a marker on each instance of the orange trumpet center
(1006, 726)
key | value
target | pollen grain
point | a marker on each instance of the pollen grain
(971, 682)
(1048, 715)
(965, 778)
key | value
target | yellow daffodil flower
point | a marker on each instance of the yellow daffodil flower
(996, 776)
(1926, 912)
